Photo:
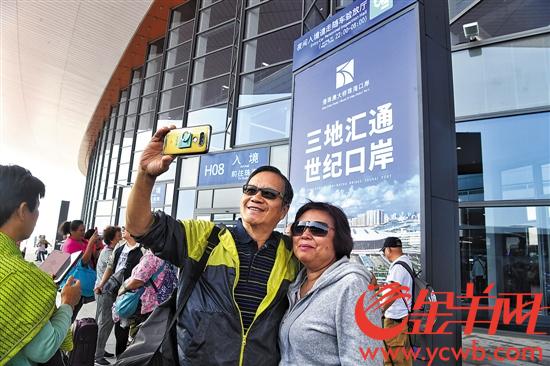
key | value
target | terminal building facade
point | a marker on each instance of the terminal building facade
(228, 63)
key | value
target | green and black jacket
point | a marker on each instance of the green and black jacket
(209, 329)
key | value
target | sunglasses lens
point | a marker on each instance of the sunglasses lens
(250, 190)
(315, 228)
(317, 231)
(270, 195)
(298, 229)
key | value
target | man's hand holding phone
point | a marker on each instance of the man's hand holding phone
(153, 162)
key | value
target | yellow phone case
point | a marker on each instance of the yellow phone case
(188, 140)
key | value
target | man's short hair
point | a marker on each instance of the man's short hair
(109, 233)
(18, 185)
(288, 194)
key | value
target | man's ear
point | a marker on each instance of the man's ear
(21, 211)
(284, 211)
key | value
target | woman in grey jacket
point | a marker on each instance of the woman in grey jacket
(319, 327)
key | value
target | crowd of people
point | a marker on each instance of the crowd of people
(251, 296)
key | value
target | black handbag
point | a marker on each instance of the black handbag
(113, 284)
(155, 344)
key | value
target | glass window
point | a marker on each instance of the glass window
(104, 207)
(153, 67)
(501, 77)
(456, 6)
(128, 138)
(217, 142)
(130, 123)
(175, 76)
(265, 85)
(126, 155)
(216, 14)
(182, 14)
(148, 102)
(121, 216)
(142, 139)
(204, 199)
(181, 34)
(136, 75)
(189, 172)
(230, 197)
(158, 195)
(178, 55)
(504, 158)
(211, 92)
(214, 116)
(269, 49)
(172, 98)
(169, 193)
(151, 84)
(146, 121)
(155, 49)
(122, 106)
(508, 247)
(123, 173)
(205, 3)
(133, 106)
(174, 117)
(317, 15)
(214, 64)
(214, 39)
(125, 195)
(186, 204)
(273, 14)
(279, 158)
(501, 17)
(101, 222)
(263, 123)
(170, 174)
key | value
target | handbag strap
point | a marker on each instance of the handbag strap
(153, 278)
(212, 241)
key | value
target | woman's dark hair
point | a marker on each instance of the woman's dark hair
(18, 185)
(69, 226)
(109, 233)
(343, 242)
(288, 194)
(88, 234)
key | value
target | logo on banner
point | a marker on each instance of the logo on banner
(344, 73)
(378, 7)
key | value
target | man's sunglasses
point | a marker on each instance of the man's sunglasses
(267, 193)
(316, 228)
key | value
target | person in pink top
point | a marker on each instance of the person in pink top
(75, 242)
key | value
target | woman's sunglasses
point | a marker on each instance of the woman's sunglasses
(267, 193)
(316, 228)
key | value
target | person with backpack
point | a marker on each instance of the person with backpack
(233, 312)
(396, 311)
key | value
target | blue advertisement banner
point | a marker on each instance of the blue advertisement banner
(231, 167)
(355, 136)
(349, 22)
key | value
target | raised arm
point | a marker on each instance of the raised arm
(151, 165)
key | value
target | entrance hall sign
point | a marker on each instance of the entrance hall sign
(355, 134)
(231, 167)
(349, 22)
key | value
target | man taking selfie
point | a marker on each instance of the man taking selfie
(232, 315)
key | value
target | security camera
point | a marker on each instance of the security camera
(471, 31)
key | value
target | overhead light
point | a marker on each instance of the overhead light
(459, 148)
(265, 64)
(225, 87)
(471, 31)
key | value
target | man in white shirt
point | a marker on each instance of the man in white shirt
(395, 311)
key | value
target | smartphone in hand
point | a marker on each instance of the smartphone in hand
(187, 141)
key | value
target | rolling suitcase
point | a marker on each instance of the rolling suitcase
(85, 340)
